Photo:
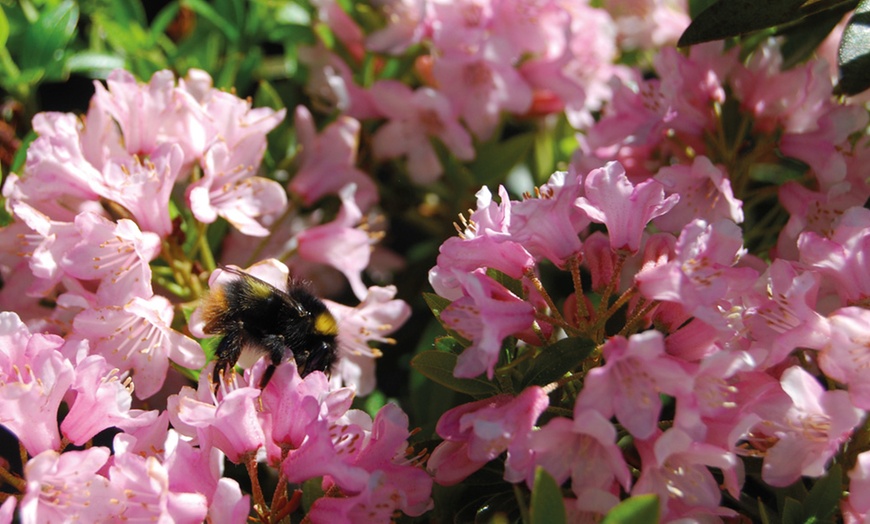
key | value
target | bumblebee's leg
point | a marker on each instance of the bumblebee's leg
(267, 376)
(226, 355)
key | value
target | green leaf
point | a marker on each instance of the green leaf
(557, 359)
(4, 28)
(547, 506)
(438, 366)
(854, 54)
(640, 509)
(208, 12)
(436, 303)
(94, 64)
(792, 512)
(801, 39)
(737, 17)
(45, 40)
(824, 497)
(496, 158)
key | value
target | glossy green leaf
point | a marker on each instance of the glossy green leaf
(438, 366)
(45, 40)
(547, 506)
(800, 40)
(557, 359)
(737, 17)
(640, 509)
(94, 64)
(854, 54)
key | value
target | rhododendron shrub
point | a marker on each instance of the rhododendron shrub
(655, 306)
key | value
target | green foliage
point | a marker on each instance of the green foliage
(547, 506)
(640, 509)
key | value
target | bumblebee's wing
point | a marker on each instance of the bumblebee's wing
(266, 287)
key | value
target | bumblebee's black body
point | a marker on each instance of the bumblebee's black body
(254, 315)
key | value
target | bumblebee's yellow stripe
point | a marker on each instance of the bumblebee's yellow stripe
(259, 289)
(325, 324)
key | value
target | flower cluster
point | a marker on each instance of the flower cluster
(676, 340)
(110, 236)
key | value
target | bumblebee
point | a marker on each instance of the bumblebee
(253, 315)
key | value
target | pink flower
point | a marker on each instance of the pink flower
(341, 243)
(144, 186)
(67, 486)
(378, 315)
(704, 192)
(859, 487)
(701, 275)
(481, 86)
(843, 255)
(102, 400)
(675, 469)
(846, 351)
(34, 378)
(811, 431)
(327, 162)
(548, 226)
(623, 207)
(415, 117)
(230, 423)
(116, 254)
(584, 450)
(628, 385)
(405, 26)
(138, 337)
(147, 493)
(228, 189)
(393, 484)
(480, 431)
(486, 315)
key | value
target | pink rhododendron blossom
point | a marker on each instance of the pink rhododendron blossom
(392, 483)
(65, 486)
(147, 494)
(341, 243)
(548, 226)
(625, 208)
(143, 186)
(704, 191)
(102, 400)
(675, 469)
(138, 337)
(480, 87)
(485, 315)
(628, 385)
(702, 274)
(378, 315)
(327, 162)
(228, 190)
(7, 510)
(584, 450)
(842, 255)
(478, 432)
(644, 24)
(116, 254)
(859, 489)
(845, 352)
(415, 117)
(811, 431)
(34, 377)
(405, 26)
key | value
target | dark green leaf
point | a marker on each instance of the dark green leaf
(436, 303)
(438, 366)
(792, 512)
(496, 158)
(801, 39)
(45, 40)
(557, 359)
(737, 17)
(854, 55)
(824, 497)
(640, 509)
(548, 506)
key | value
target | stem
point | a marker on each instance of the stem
(536, 282)
(13, 480)
(259, 500)
(574, 266)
